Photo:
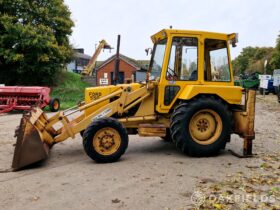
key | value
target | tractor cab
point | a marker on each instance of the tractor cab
(183, 59)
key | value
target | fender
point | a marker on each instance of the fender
(230, 94)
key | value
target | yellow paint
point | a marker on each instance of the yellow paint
(230, 94)
(205, 127)
(94, 93)
(190, 89)
(106, 141)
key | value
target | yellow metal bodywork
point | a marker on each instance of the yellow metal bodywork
(205, 126)
(114, 101)
(94, 93)
(230, 94)
(106, 141)
(188, 89)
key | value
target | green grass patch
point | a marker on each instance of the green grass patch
(69, 90)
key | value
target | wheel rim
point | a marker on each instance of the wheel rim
(205, 126)
(106, 141)
(55, 105)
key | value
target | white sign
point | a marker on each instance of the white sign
(264, 83)
(105, 75)
(102, 114)
(264, 77)
(276, 77)
(103, 81)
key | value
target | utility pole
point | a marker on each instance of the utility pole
(117, 62)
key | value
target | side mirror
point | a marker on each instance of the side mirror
(233, 39)
(147, 50)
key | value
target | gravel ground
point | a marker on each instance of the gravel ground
(151, 175)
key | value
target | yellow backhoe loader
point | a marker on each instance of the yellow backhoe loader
(88, 70)
(188, 97)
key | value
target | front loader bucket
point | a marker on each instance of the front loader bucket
(29, 146)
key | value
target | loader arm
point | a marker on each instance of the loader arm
(37, 129)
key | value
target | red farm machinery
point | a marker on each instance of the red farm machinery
(24, 98)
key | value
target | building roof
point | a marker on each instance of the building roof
(81, 55)
(138, 64)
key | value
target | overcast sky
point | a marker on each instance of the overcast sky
(256, 21)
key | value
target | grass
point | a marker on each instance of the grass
(70, 89)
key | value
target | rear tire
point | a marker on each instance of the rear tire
(105, 140)
(54, 104)
(167, 137)
(201, 127)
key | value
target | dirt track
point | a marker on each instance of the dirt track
(151, 175)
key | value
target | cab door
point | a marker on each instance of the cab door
(181, 68)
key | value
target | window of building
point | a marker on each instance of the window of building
(120, 77)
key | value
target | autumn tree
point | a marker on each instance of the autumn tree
(252, 59)
(34, 41)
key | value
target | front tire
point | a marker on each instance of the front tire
(105, 140)
(54, 104)
(201, 127)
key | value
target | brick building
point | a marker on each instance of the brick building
(128, 67)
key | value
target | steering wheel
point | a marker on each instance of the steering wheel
(171, 75)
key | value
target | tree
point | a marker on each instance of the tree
(241, 62)
(251, 59)
(34, 43)
(275, 61)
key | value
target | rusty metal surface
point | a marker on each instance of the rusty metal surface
(245, 123)
(29, 147)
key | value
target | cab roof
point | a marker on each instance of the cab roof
(173, 32)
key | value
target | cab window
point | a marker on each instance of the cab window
(183, 60)
(216, 61)
(157, 61)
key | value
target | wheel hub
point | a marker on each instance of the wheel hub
(202, 125)
(55, 105)
(205, 126)
(106, 141)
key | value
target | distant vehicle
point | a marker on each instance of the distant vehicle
(251, 81)
(266, 84)
(276, 80)
(270, 88)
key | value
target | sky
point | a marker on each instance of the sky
(256, 21)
